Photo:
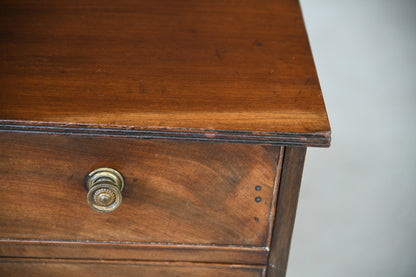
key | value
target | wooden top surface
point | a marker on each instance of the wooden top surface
(213, 70)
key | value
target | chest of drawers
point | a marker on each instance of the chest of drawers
(153, 138)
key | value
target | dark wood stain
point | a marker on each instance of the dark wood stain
(105, 48)
(294, 158)
(133, 251)
(183, 193)
(89, 268)
(205, 107)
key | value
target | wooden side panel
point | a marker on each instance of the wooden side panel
(294, 158)
(64, 268)
(180, 193)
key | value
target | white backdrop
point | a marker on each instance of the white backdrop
(357, 207)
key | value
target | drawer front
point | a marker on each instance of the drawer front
(45, 268)
(175, 192)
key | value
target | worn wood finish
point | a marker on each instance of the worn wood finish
(195, 102)
(227, 70)
(133, 251)
(85, 268)
(294, 158)
(182, 193)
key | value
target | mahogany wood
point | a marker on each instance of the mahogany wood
(133, 251)
(91, 268)
(183, 193)
(205, 107)
(239, 70)
(294, 158)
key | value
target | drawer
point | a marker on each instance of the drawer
(196, 196)
(45, 268)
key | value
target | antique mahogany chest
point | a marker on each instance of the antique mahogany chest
(153, 138)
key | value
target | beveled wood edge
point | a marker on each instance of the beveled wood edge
(275, 194)
(260, 268)
(128, 262)
(293, 162)
(132, 251)
(318, 139)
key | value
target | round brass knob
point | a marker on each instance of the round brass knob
(104, 187)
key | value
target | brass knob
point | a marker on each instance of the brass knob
(104, 187)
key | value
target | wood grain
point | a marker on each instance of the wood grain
(204, 68)
(67, 268)
(293, 162)
(147, 87)
(180, 193)
(133, 251)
